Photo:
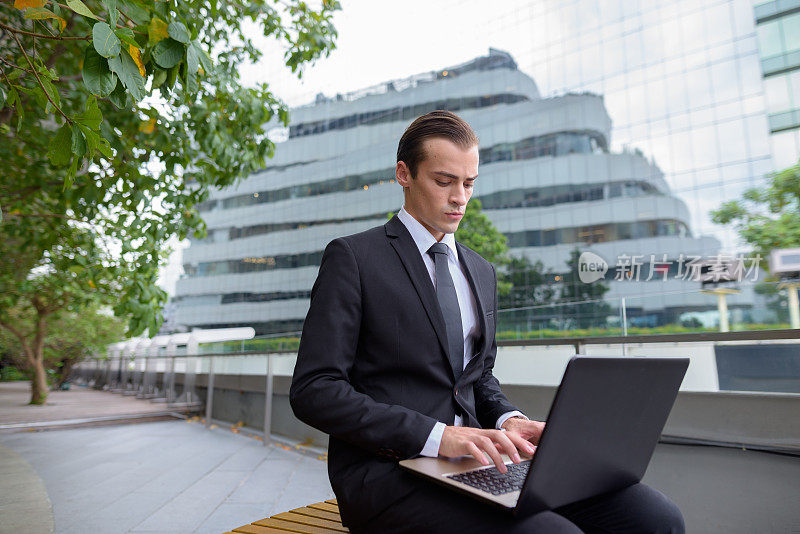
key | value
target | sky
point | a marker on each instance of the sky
(380, 41)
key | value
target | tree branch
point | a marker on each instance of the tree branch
(13, 66)
(127, 17)
(44, 36)
(28, 59)
(19, 335)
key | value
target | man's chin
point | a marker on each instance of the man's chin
(450, 228)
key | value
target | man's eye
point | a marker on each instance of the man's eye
(443, 184)
(468, 185)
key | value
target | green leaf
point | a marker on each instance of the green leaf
(95, 143)
(126, 36)
(92, 138)
(204, 59)
(52, 92)
(172, 75)
(71, 173)
(14, 74)
(50, 74)
(20, 109)
(119, 97)
(168, 53)
(97, 77)
(60, 150)
(127, 70)
(192, 63)
(178, 31)
(91, 117)
(78, 142)
(104, 40)
(11, 98)
(113, 13)
(3, 96)
(80, 8)
(104, 148)
(159, 77)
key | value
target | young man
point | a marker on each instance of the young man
(396, 360)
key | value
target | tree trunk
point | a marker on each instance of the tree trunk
(39, 383)
(34, 351)
(39, 387)
(63, 376)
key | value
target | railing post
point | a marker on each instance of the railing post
(170, 385)
(268, 402)
(624, 322)
(210, 391)
(794, 306)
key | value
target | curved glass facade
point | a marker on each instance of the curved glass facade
(557, 144)
(528, 238)
(399, 113)
(583, 167)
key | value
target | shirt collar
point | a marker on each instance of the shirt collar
(422, 237)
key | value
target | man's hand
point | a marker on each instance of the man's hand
(463, 440)
(524, 428)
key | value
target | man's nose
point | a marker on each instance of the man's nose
(458, 196)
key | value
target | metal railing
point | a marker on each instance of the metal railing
(122, 375)
(115, 374)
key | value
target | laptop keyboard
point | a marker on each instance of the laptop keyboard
(493, 481)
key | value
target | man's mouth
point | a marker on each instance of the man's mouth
(454, 215)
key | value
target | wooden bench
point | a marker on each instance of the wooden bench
(319, 518)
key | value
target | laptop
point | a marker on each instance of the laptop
(601, 431)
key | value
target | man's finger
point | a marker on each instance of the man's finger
(508, 446)
(520, 442)
(487, 445)
(476, 453)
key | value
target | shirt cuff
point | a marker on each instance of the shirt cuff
(506, 416)
(431, 447)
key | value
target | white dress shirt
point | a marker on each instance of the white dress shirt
(466, 303)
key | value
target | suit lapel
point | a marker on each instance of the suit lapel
(409, 255)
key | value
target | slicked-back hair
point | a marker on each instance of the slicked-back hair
(439, 123)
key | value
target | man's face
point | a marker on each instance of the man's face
(438, 196)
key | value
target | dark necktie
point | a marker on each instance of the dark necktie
(448, 302)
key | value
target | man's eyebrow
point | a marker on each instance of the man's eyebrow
(453, 176)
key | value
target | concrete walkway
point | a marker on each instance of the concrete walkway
(77, 403)
(163, 477)
(24, 506)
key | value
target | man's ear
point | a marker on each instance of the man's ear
(402, 173)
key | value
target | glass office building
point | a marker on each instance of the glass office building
(612, 126)
(778, 25)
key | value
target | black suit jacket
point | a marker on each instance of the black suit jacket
(373, 370)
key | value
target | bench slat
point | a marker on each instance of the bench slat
(293, 527)
(332, 501)
(325, 506)
(315, 512)
(313, 521)
(255, 529)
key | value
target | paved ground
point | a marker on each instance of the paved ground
(140, 477)
(77, 403)
(24, 506)
(162, 477)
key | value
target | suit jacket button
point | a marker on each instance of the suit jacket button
(456, 392)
